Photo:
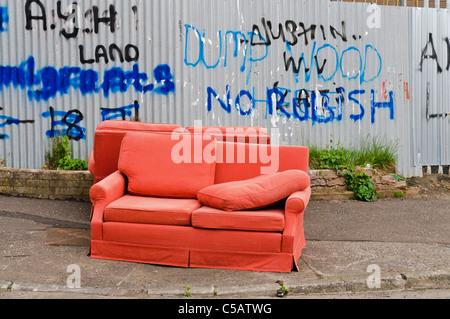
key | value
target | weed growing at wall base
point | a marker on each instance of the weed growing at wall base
(373, 153)
(378, 154)
(3, 161)
(330, 157)
(360, 184)
(59, 156)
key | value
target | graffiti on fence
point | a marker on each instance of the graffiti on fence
(123, 112)
(67, 125)
(429, 53)
(7, 121)
(42, 84)
(47, 82)
(4, 19)
(310, 64)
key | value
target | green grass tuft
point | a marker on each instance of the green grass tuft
(379, 154)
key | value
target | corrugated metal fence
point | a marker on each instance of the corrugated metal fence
(316, 70)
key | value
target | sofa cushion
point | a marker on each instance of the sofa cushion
(253, 193)
(259, 220)
(108, 138)
(167, 165)
(124, 126)
(238, 161)
(151, 210)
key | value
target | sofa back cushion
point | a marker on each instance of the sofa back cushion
(174, 165)
(108, 138)
(239, 161)
(127, 126)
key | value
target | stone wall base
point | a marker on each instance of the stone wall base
(71, 185)
(326, 184)
(75, 185)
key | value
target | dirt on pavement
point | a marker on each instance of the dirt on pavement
(431, 185)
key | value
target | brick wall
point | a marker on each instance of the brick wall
(73, 185)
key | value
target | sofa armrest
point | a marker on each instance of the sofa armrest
(108, 189)
(298, 201)
(103, 193)
(293, 212)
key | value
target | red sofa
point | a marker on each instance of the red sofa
(189, 200)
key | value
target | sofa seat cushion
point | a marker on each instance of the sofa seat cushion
(167, 165)
(270, 220)
(254, 193)
(151, 210)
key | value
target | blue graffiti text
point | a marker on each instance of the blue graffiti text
(69, 122)
(197, 53)
(4, 19)
(121, 112)
(46, 83)
(317, 106)
(7, 120)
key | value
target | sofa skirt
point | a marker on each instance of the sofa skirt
(140, 253)
(195, 258)
(200, 248)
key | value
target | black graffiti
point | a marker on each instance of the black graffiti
(447, 42)
(290, 61)
(429, 52)
(109, 18)
(304, 97)
(441, 115)
(36, 16)
(129, 54)
(72, 125)
(291, 32)
(433, 55)
(64, 32)
(136, 14)
(30, 17)
(276, 89)
(427, 110)
(70, 119)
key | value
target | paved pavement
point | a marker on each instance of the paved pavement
(391, 245)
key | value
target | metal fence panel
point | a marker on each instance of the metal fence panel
(431, 48)
(320, 72)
